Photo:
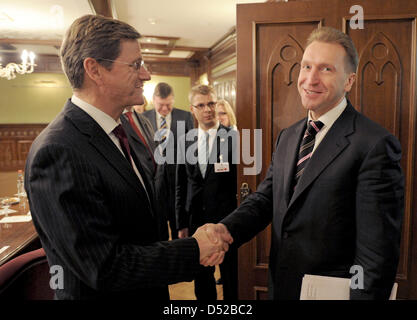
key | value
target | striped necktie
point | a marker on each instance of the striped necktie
(163, 129)
(306, 148)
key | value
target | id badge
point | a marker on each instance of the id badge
(221, 167)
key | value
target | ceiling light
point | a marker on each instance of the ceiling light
(152, 21)
(4, 17)
(10, 70)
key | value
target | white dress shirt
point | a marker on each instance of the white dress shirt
(108, 124)
(328, 120)
(202, 146)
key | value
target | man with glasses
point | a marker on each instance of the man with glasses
(91, 201)
(166, 119)
(206, 186)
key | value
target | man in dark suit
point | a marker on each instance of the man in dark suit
(206, 186)
(141, 138)
(165, 118)
(334, 191)
(89, 196)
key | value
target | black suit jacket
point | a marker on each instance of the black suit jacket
(169, 168)
(94, 219)
(154, 172)
(346, 210)
(199, 199)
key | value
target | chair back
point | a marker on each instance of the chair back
(26, 277)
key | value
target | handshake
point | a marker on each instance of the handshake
(213, 241)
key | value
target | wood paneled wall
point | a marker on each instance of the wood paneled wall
(15, 142)
(220, 73)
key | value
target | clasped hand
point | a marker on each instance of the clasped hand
(213, 241)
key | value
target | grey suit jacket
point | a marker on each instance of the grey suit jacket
(94, 219)
(346, 210)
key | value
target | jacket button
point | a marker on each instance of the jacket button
(285, 235)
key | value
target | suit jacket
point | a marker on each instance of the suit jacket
(210, 198)
(154, 174)
(169, 169)
(346, 210)
(141, 150)
(94, 218)
(176, 115)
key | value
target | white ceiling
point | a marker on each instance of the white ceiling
(198, 23)
(41, 19)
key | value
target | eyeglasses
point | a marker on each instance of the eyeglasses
(201, 106)
(135, 65)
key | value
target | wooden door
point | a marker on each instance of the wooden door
(270, 44)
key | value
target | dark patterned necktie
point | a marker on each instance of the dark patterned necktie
(120, 133)
(306, 148)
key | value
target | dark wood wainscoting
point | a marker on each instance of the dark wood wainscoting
(15, 141)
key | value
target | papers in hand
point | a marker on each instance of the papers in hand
(330, 288)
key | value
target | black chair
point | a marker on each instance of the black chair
(26, 277)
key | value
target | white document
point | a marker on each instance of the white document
(330, 288)
(13, 219)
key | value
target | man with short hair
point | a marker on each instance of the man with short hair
(334, 191)
(165, 119)
(91, 202)
(206, 186)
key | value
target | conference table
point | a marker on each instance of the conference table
(17, 233)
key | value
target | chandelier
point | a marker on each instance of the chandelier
(10, 70)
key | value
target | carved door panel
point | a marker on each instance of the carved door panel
(270, 45)
(385, 91)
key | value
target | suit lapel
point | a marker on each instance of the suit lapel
(330, 147)
(146, 131)
(291, 156)
(153, 120)
(103, 144)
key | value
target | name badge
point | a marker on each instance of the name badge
(221, 167)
